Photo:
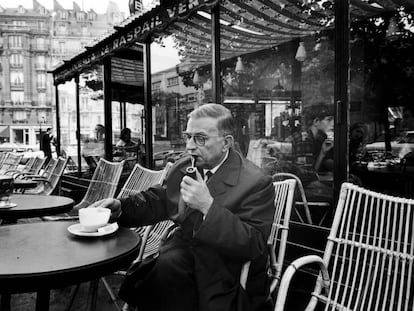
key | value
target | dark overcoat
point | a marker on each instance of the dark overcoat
(233, 232)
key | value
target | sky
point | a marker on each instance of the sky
(162, 58)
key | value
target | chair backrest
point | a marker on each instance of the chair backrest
(24, 170)
(10, 163)
(301, 190)
(56, 175)
(104, 182)
(369, 253)
(48, 170)
(3, 156)
(141, 179)
(37, 165)
(277, 240)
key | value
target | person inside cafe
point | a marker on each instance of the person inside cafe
(223, 222)
(312, 149)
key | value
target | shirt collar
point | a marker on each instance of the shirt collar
(214, 169)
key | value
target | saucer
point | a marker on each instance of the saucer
(7, 205)
(76, 229)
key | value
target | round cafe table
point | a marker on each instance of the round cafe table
(35, 205)
(37, 257)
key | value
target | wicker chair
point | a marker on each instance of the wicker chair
(103, 185)
(139, 180)
(47, 185)
(10, 163)
(368, 259)
(277, 240)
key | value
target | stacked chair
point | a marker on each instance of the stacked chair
(50, 179)
(368, 259)
(32, 167)
(10, 162)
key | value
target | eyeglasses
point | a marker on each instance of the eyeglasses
(200, 140)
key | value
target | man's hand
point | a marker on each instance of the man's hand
(327, 145)
(196, 194)
(113, 204)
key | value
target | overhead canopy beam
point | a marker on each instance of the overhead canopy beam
(138, 29)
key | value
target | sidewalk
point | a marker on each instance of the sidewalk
(59, 298)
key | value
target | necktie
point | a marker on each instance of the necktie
(208, 175)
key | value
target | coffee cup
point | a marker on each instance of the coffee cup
(91, 219)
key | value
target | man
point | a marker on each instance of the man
(46, 140)
(313, 149)
(223, 223)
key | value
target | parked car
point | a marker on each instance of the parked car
(399, 147)
(12, 147)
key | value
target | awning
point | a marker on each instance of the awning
(4, 131)
(246, 27)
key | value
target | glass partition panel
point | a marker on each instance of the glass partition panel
(67, 110)
(381, 112)
(92, 122)
(173, 97)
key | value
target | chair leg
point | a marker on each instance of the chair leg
(111, 294)
(72, 298)
(92, 295)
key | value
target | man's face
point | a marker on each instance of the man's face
(326, 124)
(214, 149)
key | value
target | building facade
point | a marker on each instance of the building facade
(32, 41)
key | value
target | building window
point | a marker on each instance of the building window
(16, 60)
(62, 47)
(16, 78)
(63, 15)
(62, 29)
(42, 99)
(40, 42)
(84, 31)
(192, 97)
(40, 62)
(156, 86)
(19, 115)
(16, 41)
(41, 80)
(17, 97)
(80, 16)
(19, 23)
(172, 81)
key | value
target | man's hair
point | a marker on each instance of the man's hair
(225, 120)
(48, 129)
(317, 111)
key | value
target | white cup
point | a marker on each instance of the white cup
(91, 219)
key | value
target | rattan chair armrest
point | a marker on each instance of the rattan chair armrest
(290, 272)
(59, 218)
(32, 176)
